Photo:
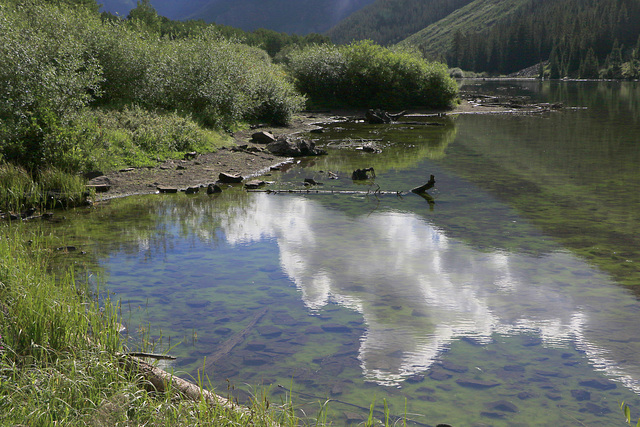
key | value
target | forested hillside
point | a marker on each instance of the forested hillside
(580, 38)
(435, 41)
(390, 21)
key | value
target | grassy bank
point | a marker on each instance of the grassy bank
(58, 362)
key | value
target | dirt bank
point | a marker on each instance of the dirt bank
(205, 168)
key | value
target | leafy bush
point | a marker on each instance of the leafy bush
(219, 81)
(55, 59)
(46, 76)
(363, 74)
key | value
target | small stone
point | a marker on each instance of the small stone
(255, 361)
(192, 190)
(263, 137)
(213, 189)
(167, 190)
(523, 395)
(531, 341)
(439, 375)
(553, 396)
(353, 417)
(256, 345)
(270, 331)
(594, 409)
(313, 330)
(253, 184)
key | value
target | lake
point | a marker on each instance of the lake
(507, 296)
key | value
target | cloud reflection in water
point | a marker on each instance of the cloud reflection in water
(419, 290)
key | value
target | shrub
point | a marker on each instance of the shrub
(46, 76)
(363, 74)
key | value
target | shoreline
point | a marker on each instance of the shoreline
(244, 157)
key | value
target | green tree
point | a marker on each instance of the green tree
(589, 67)
(145, 14)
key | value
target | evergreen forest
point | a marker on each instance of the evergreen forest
(578, 38)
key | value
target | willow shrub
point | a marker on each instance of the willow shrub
(46, 76)
(366, 75)
(219, 81)
(57, 60)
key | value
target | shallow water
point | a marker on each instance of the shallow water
(507, 298)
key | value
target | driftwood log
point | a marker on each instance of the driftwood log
(425, 187)
(158, 380)
(236, 339)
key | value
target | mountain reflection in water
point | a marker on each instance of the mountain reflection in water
(419, 290)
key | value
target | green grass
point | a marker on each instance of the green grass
(133, 136)
(51, 188)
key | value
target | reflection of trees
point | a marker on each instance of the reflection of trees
(573, 174)
(148, 224)
(403, 146)
(417, 290)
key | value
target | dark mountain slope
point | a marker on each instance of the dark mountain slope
(390, 21)
(289, 16)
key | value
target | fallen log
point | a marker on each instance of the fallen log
(158, 380)
(236, 339)
(311, 191)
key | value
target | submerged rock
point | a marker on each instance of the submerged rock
(473, 383)
(453, 367)
(598, 383)
(502, 405)
(213, 189)
(581, 395)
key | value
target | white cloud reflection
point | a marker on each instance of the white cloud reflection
(418, 290)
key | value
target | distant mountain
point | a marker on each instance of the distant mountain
(288, 16)
(390, 21)
(173, 9)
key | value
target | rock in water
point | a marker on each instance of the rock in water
(229, 178)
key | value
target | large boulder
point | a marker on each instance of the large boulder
(290, 147)
(229, 178)
(263, 137)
